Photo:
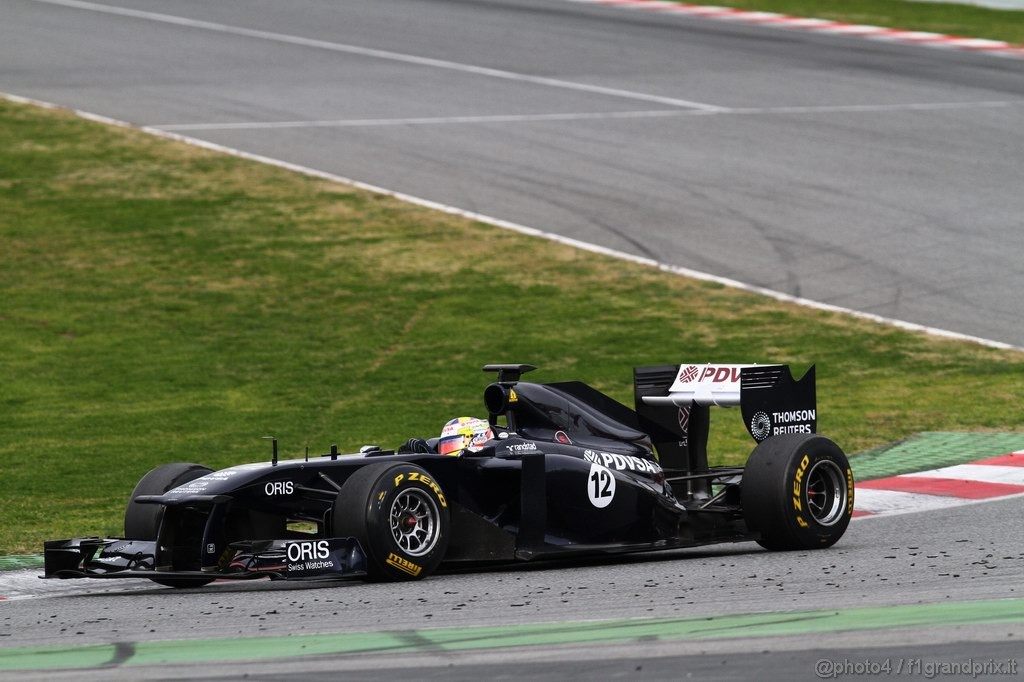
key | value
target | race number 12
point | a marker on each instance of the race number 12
(600, 486)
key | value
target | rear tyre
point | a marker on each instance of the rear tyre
(400, 517)
(142, 521)
(797, 492)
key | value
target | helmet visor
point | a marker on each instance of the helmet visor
(452, 444)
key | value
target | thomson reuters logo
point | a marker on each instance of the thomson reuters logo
(688, 374)
(760, 426)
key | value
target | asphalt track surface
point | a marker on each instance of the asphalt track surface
(883, 178)
(879, 177)
(959, 556)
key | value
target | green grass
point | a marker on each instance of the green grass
(160, 302)
(952, 19)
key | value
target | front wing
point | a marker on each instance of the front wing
(314, 559)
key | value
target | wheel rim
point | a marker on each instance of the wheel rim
(826, 492)
(414, 522)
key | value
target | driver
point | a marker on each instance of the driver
(462, 433)
(459, 434)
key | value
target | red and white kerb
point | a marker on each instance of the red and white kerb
(987, 479)
(993, 47)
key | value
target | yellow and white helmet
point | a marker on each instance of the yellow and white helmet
(462, 433)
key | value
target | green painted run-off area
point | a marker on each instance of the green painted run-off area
(502, 637)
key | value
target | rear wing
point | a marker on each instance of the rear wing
(673, 403)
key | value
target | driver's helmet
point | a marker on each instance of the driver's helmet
(463, 432)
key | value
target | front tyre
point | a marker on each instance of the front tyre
(797, 491)
(400, 516)
(142, 521)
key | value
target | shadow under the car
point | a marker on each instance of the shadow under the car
(535, 566)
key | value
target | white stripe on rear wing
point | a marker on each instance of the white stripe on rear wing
(717, 385)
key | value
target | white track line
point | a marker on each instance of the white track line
(438, 120)
(977, 472)
(379, 54)
(594, 116)
(531, 231)
(894, 501)
(26, 584)
(875, 108)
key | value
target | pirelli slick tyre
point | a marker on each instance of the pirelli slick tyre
(142, 521)
(797, 492)
(400, 516)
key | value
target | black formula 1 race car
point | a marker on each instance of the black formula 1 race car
(569, 472)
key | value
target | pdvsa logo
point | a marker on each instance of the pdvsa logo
(688, 374)
(684, 425)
